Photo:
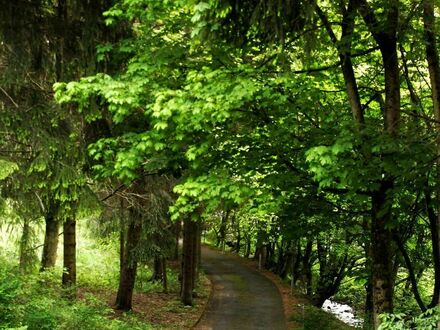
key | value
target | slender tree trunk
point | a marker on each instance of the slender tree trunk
(26, 251)
(434, 74)
(248, 247)
(164, 275)
(381, 254)
(368, 319)
(188, 261)
(412, 275)
(69, 253)
(297, 263)
(307, 267)
(222, 231)
(177, 230)
(50, 245)
(121, 243)
(127, 276)
(198, 245)
(344, 50)
(385, 34)
(157, 269)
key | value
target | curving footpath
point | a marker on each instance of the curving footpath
(241, 298)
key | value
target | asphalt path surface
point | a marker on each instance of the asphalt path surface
(241, 299)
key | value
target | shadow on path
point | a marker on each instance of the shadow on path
(241, 299)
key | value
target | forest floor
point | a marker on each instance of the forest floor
(256, 299)
(161, 310)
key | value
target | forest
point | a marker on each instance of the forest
(138, 135)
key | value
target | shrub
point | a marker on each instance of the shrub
(425, 321)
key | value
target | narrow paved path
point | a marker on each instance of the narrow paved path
(242, 298)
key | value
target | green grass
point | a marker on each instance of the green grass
(37, 302)
(312, 318)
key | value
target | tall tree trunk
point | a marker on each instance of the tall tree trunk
(50, 245)
(177, 230)
(381, 254)
(26, 251)
(198, 247)
(344, 50)
(368, 309)
(368, 318)
(307, 267)
(434, 74)
(164, 275)
(127, 276)
(69, 253)
(122, 233)
(411, 273)
(188, 261)
(157, 269)
(222, 231)
(385, 34)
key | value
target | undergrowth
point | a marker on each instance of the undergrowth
(308, 317)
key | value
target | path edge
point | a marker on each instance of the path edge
(211, 293)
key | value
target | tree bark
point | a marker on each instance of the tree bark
(381, 254)
(307, 267)
(157, 269)
(50, 245)
(26, 251)
(434, 75)
(344, 50)
(177, 230)
(221, 241)
(164, 275)
(385, 34)
(198, 247)
(412, 275)
(188, 261)
(69, 253)
(127, 276)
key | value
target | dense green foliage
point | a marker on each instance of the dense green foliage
(38, 302)
(302, 133)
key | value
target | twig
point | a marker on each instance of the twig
(9, 97)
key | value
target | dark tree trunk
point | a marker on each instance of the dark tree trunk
(69, 253)
(344, 49)
(238, 242)
(221, 240)
(26, 252)
(297, 264)
(198, 247)
(307, 267)
(385, 35)
(434, 227)
(329, 281)
(177, 230)
(288, 260)
(127, 276)
(381, 254)
(50, 245)
(248, 247)
(368, 319)
(411, 273)
(188, 261)
(434, 75)
(270, 254)
(157, 269)
(164, 275)
(121, 243)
